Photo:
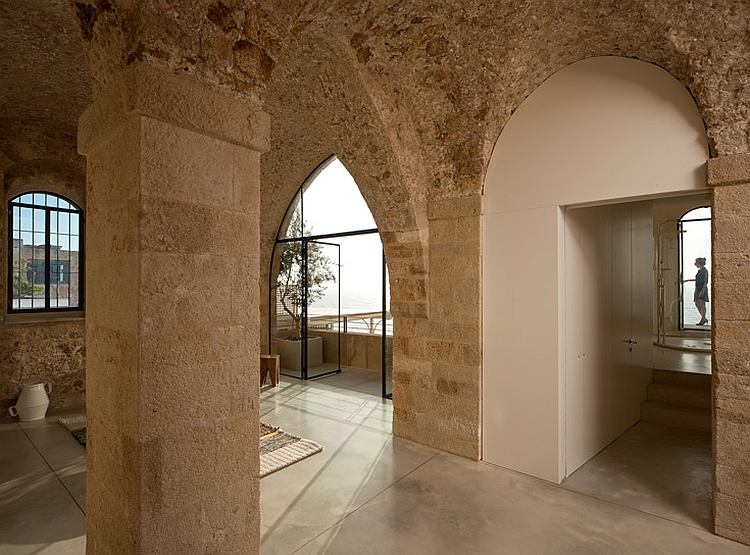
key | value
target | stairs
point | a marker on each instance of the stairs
(680, 400)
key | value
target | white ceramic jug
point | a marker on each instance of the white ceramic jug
(32, 402)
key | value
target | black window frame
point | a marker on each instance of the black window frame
(48, 262)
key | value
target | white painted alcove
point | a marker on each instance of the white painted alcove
(600, 131)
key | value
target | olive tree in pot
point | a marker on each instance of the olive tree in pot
(290, 293)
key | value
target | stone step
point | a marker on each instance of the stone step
(676, 417)
(678, 396)
(682, 379)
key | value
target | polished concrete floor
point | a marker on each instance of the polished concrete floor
(368, 492)
(42, 490)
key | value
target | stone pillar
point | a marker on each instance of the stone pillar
(437, 355)
(730, 316)
(172, 321)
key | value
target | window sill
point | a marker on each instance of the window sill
(45, 317)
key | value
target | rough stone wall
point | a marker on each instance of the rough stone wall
(50, 352)
(730, 313)
(40, 155)
(232, 43)
(460, 69)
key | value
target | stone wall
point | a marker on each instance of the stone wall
(47, 351)
(730, 177)
(40, 347)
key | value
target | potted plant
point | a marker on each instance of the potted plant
(293, 277)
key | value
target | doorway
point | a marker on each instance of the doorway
(645, 139)
(658, 460)
(694, 232)
(608, 327)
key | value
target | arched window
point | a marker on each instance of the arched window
(45, 266)
(329, 287)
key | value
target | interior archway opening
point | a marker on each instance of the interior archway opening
(569, 367)
(329, 293)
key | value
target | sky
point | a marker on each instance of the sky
(333, 204)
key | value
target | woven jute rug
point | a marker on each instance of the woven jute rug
(278, 449)
(76, 425)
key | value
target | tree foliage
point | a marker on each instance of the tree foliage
(290, 283)
(22, 285)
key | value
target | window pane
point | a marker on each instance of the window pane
(40, 239)
(294, 228)
(26, 219)
(40, 221)
(63, 222)
(333, 203)
(44, 257)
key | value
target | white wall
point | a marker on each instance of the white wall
(600, 130)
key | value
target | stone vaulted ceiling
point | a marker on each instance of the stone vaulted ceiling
(44, 72)
(436, 80)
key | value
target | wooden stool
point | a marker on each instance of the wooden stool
(270, 365)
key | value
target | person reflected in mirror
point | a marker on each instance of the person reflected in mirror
(700, 297)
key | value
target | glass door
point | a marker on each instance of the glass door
(387, 335)
(288, 307)
(695, 244)
(323, 314)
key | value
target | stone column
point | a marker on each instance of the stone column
(730, 316)
(437, 353)
(172, 321)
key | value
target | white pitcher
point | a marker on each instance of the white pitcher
(32, 402)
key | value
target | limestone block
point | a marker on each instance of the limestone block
(147, 90)
(732, 201)
(230, 233)
(179, 227)
(120, 233)
(730, 300)
(459, 230)
(734, 410)
(731, 443)
(727, 360)
(455, 208)
(730, 334)
(732, 479)
(184, 166)
(245, 295)
(727, 170)
(246, 193)
(731, 521)
(731, 386)
(730, 235)
(731, 267)
(446, 351)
